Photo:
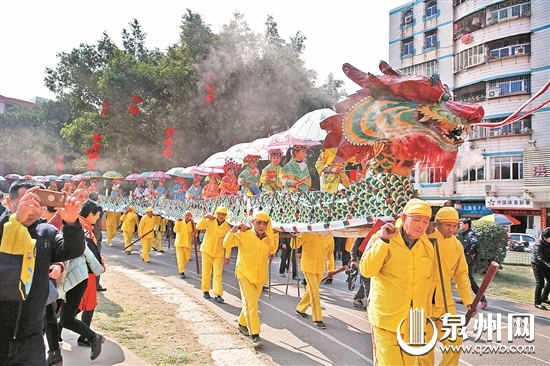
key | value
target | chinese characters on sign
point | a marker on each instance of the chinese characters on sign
(507, 202)
(539, 170)
(474, 208)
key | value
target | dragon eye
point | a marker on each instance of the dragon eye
(445, 97)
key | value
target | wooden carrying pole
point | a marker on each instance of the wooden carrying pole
(491, 272)
(138, 239)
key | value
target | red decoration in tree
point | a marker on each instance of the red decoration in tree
(59, 163)
(210, 76)
(94, 155)
(88, 151)
(210, 98)
(97, 138)
(133, 109)
(107, 104)
(167, 152)
(168, 142)
(211, 88)
(96, 146)
(104, 111)
(91, 164)
(170, 132)
(137, 99)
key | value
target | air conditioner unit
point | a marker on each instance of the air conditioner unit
(493, 93)
(408, 19)
(490, 188)
(520, 51)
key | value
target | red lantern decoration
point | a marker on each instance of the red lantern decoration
(168, 142)
(88, 151)
(170, 132)
(133, 109)
(107, 104)
(137, 99)
(104, 111)
(211, 88)
(167, 152)
(210, 98)
(97, 138)
(94, 155)
(96, 146)
(210, 76)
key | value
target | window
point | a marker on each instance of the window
(407, 47)
(469, 24)
(521, 127)
(427, 69)
(431, 175)
(511, 46)
(431, 8)
(468, 58)
(508, 9)
(408, 17)
(471, 173)
(431, 39)
(512, 85)
(471, 93)
(507, 167)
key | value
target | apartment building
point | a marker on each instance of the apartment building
(496, 53)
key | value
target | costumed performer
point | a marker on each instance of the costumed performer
(271, 174)
(160, 229)
(455, 268)
(129, 221)
(178, 190)
(295, 174)
(249, 179)
(161, 190)
(255, 247)
(149, 193)
(112, 221)
(331, 174)
(401, 261)
(229, 185)
(212, 189)
(53, 186)
(115, 191)
(316, 251)
(139, 191)
(195, 191)
(212, 252)
(93, 186)
(146, 233)
(185, 232)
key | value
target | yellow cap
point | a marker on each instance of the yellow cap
(447, 214)
(221, 210)
(262, 216)
(149, 209)
(417, 207)
(132, 208)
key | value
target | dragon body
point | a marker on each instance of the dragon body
(391, 125)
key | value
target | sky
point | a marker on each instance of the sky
(33, 32)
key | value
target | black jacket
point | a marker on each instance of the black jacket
(20, 319)
(470, 242)
(541, 254)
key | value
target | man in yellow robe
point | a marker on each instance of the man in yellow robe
(255, 247)
(112, 223)
(130, 221)
(185, 232)
(146, 232)
(212, 252)
(316, 251)
(400, 261)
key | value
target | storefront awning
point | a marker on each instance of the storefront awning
(437, 203)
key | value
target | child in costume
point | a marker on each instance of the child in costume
(212, 189)
(161, 189)
(271, 174)
(295, 174)
(195, 191)
(93, 186)
(150, 193)
(139, 190)
(332, 174)
(178, 191)
(229, 185)
(115, 191)
(249, 179)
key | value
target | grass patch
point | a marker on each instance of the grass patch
(513, 282)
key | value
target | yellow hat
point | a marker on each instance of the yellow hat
(132, 208)
(149, 209)
(448, 214)
(262, 216)
(221, 210)
(417, 207)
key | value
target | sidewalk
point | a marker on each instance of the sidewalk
(111, 354)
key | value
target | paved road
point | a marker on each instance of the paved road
(291, 340)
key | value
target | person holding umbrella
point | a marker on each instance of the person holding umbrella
(295, 174)
(249, 179)
(271, 174)
(229, 186)
(212, 189)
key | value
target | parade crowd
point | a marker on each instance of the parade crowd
(51, 259)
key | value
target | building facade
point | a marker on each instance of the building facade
(496, 53)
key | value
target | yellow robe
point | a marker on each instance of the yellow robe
(330, 180)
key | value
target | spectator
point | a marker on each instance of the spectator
(22, 315)
(470, 242)
(540, 263)
(94, 196)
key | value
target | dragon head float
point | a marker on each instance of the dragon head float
(396, 121)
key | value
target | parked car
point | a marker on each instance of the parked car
(516, 239)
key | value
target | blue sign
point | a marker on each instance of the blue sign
(475, 209)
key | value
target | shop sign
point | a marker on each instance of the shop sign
(507, 202)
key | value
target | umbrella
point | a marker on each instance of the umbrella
(64, 177)
(91, 174)
(14, 176)
(501, 219)
(145, 175)
(205, 170)
(134, 177)
(28, 176)
(49, 178)
(308, 128)
(111, 174)
(283, 140)
(258, 146)
(159, 175)
(181, 172)
(78, 177)
(217, 160)
(39, 178)
(2, 178)
(237, 152)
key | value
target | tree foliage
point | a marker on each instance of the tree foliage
(493, 243)
(262, 87)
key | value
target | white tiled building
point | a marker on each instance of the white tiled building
(497, 53)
